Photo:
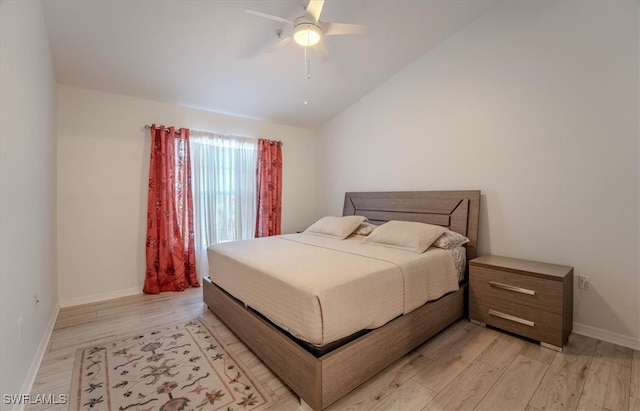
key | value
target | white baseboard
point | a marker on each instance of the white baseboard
(96, 298)
(27, 385)
(608, 336)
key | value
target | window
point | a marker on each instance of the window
(224, 191)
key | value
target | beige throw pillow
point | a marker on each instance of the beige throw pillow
(405, 235)
(337, 227)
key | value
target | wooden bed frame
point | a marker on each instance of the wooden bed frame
(319, 382)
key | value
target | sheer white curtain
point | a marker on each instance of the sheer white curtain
(224, 191)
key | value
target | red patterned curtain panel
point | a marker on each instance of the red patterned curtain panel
(269, 175)
(170, 237)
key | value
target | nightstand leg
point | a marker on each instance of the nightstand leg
(476, 322)
(551, 347)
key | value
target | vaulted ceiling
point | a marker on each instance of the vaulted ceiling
(210, 54)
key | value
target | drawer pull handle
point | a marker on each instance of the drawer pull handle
(511, 318)
(512, 288)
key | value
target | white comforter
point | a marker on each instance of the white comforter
(321, 289)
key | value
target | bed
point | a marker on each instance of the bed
(323, 376)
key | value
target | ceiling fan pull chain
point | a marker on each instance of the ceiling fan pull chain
(307, 74)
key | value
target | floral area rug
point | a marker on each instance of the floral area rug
(177, 367)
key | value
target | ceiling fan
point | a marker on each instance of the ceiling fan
(307, 30)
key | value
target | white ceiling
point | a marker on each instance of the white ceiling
(208, 54)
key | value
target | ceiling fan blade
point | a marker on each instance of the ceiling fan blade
(333, 29)
(281, 42)
(268, 16)
(321, 49)
(315, 8)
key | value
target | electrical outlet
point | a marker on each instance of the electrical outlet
(584, 283)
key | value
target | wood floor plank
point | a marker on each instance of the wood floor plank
(139, 307)
(408, 396)
(53, 367)
(607, 386)
(467, 389)
(79, 318)
(561, 386)
(515, 387)
(81, 334)
(446, 367)
(614, 353)
(502, 351)
(288, 404)
(445, 339)
(93, 307)
(382, 384)
(57, 384)
(539, 353)
(175, 314)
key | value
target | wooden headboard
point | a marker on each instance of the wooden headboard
(456, 210)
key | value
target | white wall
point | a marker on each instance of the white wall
(103, 168)
(28, 193)
(536, 104)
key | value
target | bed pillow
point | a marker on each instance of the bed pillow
(336, 227)
(405, 235)
(450, 239)
(365, 228)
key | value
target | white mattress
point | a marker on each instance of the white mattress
(321, 289)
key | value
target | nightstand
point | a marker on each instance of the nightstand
(528, 298)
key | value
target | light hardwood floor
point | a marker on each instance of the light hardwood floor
(465, 367)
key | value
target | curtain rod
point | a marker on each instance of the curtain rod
(148, 127)
(271, 142)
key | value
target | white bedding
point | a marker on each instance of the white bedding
(321, 289)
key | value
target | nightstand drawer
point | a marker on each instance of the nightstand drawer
(526, 321)
(492, 285)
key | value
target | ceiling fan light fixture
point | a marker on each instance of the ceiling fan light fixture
(306, 34)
